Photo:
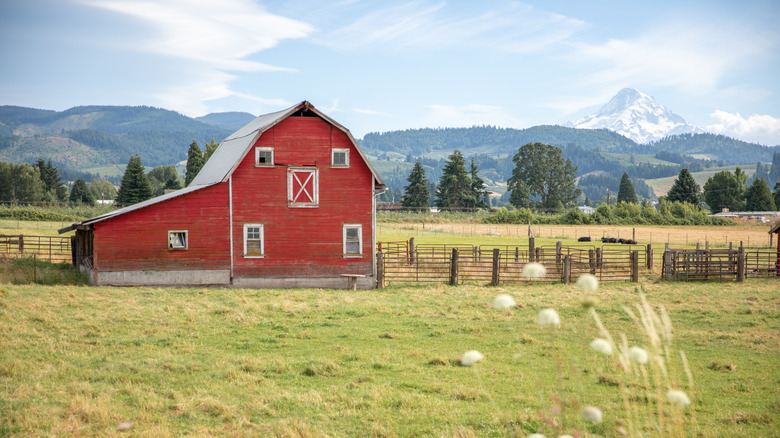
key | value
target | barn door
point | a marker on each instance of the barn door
(302, 187)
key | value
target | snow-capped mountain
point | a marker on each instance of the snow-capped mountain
(637, 116)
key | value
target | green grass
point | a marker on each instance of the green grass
(640, 159)
(662, 185)
(78, 361)
(27, 270)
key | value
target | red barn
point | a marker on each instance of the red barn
(286, 201)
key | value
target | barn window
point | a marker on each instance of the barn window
(353, 240)
(302, 187)
(177, 239)
(254, 243)
(264, 156)
(340, 157)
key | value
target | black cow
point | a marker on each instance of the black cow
(583, 239)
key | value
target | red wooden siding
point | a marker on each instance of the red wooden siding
(302, 241)
(138, 240)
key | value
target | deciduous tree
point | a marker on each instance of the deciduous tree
(80, 193)
(725, 190)
(541, 171)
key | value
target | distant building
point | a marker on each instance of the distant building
(587, 210)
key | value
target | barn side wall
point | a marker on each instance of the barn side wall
(305, 244)
(133, 248)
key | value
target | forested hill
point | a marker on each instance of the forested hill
(88, 137)
(495, 141)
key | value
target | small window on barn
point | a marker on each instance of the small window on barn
(177, 239)
(302, 187)
(353, 240)
(340, 157)
(254, 242)
(264, 156)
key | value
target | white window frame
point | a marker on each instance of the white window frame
(360, 240)
(186, 240)
(293, 196)
(262, 241)
(333, 153)
(257, 156)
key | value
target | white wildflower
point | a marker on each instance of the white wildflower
(637, 354)
(587, 282)
(565, 436)
(678, 397)
(471, 357)
(549, 317)
(534, 270)
(602, 346)
(536, 435)
(504, 302)
(592, 414)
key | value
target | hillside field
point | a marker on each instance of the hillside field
(662, 185)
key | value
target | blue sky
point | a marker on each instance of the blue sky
(380, 66)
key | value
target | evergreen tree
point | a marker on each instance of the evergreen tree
(195, 162)
(135, 185)
(478, 192)
(51, 180)
(759, 198)
(684, 189)
(725, 190)
(80, 193)
(210, 148)
(541, 171)
(454, 189)
(173, 183)
(774, 171)
(626, 191)
(416, 194)
(777, 195)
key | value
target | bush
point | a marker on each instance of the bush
(54, 212)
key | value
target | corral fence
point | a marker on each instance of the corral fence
(405, 262)
(51, 248)
(720, 264)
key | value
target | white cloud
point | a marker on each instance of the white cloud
(218, 36)
(513, 27)
(470, 115)
(763, 129)
(690, 57)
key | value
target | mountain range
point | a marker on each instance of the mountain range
(97, 141)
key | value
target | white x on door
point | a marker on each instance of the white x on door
(302, 187)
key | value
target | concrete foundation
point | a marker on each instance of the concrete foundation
(365, 283)
(163, 278)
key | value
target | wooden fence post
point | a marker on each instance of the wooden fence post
(566, 269)
(592, 261)
(380, 270)
(496, 261)
(531, 249)
(599, 257)
(741, 263)
(634, 266)
(667, 267)
(649, 254)
(538, 255)
(411, 250)
(21, 244)
(558, 246)
(517, 254)
(454, 267)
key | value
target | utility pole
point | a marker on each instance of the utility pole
(607, 195)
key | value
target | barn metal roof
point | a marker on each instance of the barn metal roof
(227, 157)
(233, 149)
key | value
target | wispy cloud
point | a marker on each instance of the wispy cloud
(689, 57)
(470, 115)
(218, 36)
(763, 129)
(513, 27)
(371, 112)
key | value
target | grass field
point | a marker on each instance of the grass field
(82, 361)
(662, 185)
